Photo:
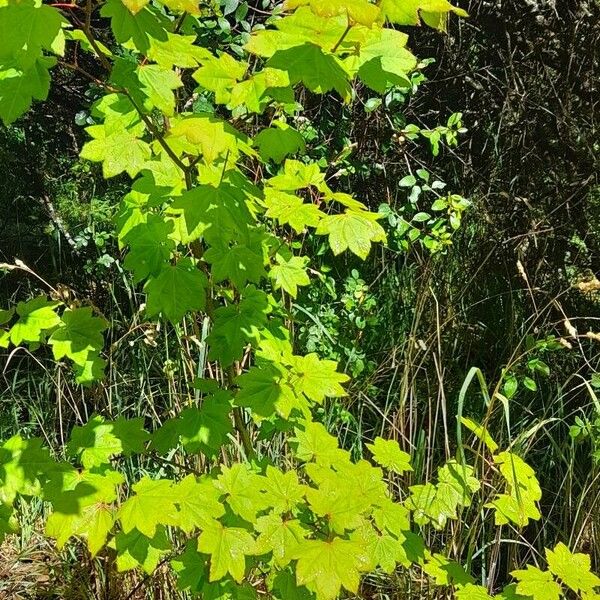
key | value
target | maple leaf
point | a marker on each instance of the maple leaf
(199, 429)
(387, 453)
(381, 549)
(279, 536)
(198, 502)
(228, 547)
(265, 390)
(177, 51)
(22, 464)
(573, 569)
(119, 150)
(134, 549)
(325, 567)
(539, 585)
(237, 325)
(216, 213)
(314, 442)
(290, 209)
(353, 230)
(134, 31)
(26, 29)
(219, 75)
(208, 137)
(445, 571)
(243, 490)
(149, 246)
(289, 274)
(190, 567)
(318, 378)
(82, 507)
(152, 505)
(284, 491)
(96, 442)
(256, 92)
(158, 83)
(241, 262)
(471, 591)
(19, 87)
(277, 143)
(176, 290)
(357, 11)
(319, 71)
(407, 12)
(383, 61)
(79, 336)
(36, 317)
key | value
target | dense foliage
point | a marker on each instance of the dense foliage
(231, 134)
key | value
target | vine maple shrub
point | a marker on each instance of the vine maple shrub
(211, 227)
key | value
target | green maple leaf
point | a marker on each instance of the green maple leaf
(289, 274)
(199, 429)
(393, 517)
(314, 442)
(152, 505)
(79, 336)
(237, 325)
(387, 453)
(26, 29)
(216, 213)
(297, 175)
(96, 442)
(23, 463)
(8, 521)
(537, 584)
(356, 11)
(82, 507)
(318, 70)
(471, 591)
(317, 378)
(219, 75)
(279, 142)
(176, 290)
(207, 136)
(240, 263)
(408, 11)
(381, 549)
(118, 149)
(353, 230)
(264, 390)
(134, 31)
(573, 569)
(36, 317)
(198, 502)
(445, 571)
(191, 567)
(284, 587)
(290, 209)
(456, 484)
(279, 536)
(325, 567)
(284, 491)
(332, 501)
(158, 83)
(149, 247)
(177, 51)
(519, 504)
(257, 92)
(296, 29)
(134, 550)
(228, 548)
(243, 490)
(19, 87)
(383, 61)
